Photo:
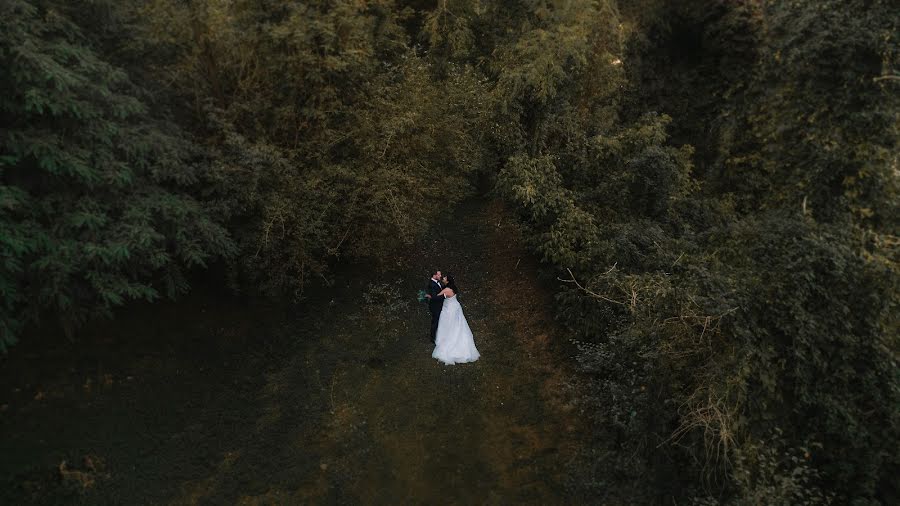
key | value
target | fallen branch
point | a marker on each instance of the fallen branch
(589, 292)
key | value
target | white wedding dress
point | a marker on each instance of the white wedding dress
(454, 343)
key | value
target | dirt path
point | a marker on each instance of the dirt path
(229, 404)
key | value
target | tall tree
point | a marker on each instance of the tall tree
(332, 137)
(94, 207)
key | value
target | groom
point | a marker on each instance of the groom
(435, 302)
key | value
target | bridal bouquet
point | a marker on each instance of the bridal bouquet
(422, 296)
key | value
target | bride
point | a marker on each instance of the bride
(454, 343)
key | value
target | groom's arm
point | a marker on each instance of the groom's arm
(432, 293)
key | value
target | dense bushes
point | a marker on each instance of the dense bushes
(738, 325)
(98, 195)
(331, 136)
(146, 137)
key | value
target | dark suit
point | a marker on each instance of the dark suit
(435, 303)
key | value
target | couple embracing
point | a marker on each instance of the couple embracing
(450, 333)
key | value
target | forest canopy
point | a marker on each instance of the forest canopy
(711, 187)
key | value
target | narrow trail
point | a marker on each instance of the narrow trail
(343, 405)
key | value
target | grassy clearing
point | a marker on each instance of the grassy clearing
(213, 401)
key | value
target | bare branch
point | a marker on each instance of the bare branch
(333, 250)
(589, 292)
